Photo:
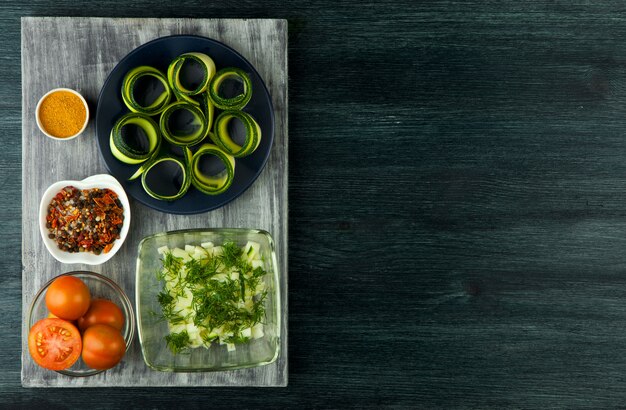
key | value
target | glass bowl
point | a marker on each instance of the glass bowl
(152, 328)
(100, 287)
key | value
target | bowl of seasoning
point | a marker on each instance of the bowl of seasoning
(62, 114)
(84, 221)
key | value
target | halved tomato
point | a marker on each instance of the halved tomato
(54, 344)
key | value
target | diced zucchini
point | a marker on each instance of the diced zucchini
(257, 331)
(188, 294)
(177, 328)
(251, 250)
(162, 250)
(199, 253)
(179, 253)
(220, 277)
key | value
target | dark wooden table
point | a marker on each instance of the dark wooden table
(457, 205)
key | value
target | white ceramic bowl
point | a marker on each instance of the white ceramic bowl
(43, 130)
(89, 258)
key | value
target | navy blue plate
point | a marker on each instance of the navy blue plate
(159, 53)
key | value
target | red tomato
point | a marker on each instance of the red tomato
(68, 297)
(54, 344)
(104, 312)
(103, 346)
(53, 316)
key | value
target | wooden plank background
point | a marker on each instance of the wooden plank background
(456, 205)
(79, 54)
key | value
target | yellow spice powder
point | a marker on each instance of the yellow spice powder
(62, 114)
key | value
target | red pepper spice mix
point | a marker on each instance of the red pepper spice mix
(87, 220)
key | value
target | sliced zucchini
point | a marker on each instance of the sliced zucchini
(223, 139)
(234, 103)
(128, 90)
(140, 170)
(216, 183)
(123, 151)
(183, 139)
(208, 109)
(164, 174)
(164, 184)
(181, 92)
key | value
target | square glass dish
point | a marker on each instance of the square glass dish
(153, 328)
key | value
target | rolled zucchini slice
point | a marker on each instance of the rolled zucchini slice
(212, 179)
(128, 91)
(197, 122)
(208, 109)
(167, 178)
(224, 140)
(233, 103)
(206, 66)
(140, 170)
(129, 153)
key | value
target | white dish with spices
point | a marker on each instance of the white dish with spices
(84, 221)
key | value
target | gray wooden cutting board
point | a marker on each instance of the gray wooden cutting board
(79, 53)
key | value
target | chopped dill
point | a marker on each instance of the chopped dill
(231, 254)
(171, 263)
(258, 272)
(242, 281)
(164, 298)
(237, 339)
(178, 342)
(207, 337)
(199, 271)
(220, 295)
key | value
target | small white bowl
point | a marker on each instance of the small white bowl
(43, 130)
(89, 258)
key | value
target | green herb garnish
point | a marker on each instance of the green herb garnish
(171, 263)
(200, 271)
(237, 339)
(202, 292)
(178, 342)
(231, 254)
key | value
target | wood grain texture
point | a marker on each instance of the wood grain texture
(79, 54)
(456, 205)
